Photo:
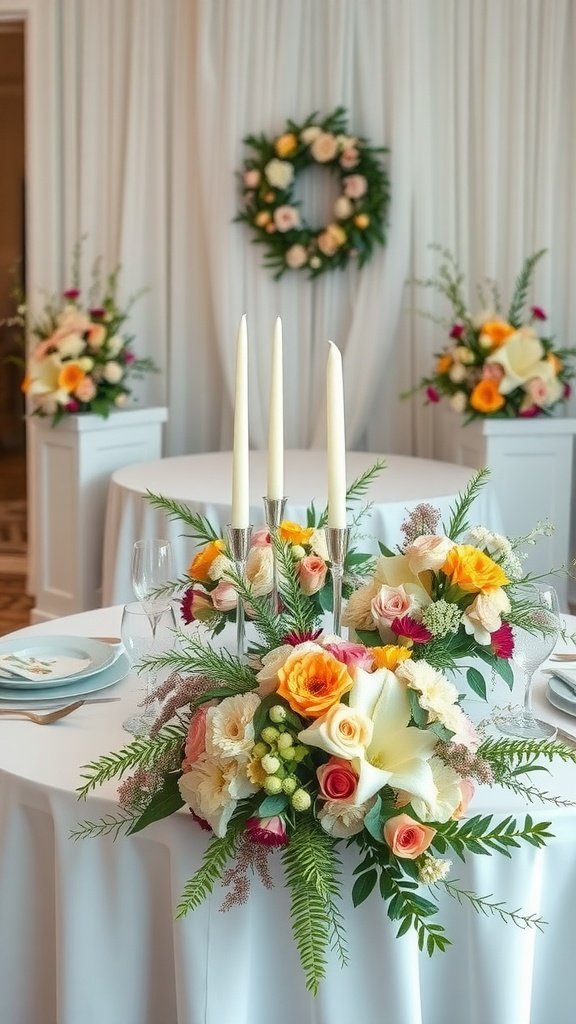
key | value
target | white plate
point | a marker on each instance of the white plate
(561, 696)
(106, 677)
(100, 655)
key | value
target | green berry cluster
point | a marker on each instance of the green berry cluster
(280, 753)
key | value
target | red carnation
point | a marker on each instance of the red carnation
(538, 313)
(72, 405)
(502, 641)
(457, 331)
(409, 629)
(301, 637)
(267, 831)
(432, 395)
(97, 313)
(532, 410)
(71, 293)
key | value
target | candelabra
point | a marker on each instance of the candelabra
(337, 542)
(239, 539)
(274, 513)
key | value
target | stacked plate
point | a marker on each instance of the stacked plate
(57, 667)
(561, 690)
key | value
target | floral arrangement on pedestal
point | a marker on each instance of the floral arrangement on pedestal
(83, 360)
(315, 743)
(496, 364)
(273, 212)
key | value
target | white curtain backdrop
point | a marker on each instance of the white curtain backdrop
(137, 110)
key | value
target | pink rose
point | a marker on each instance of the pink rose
(467, 789)
(86, 390)
(196, 738)
(252, 177)
(261, 537)
(337, 779)
(537, 390)
(312, 574)
(406, 837)
(349, 158)
(427, 552)
(224, 596)
(96, 335)
(353, 655)
(324, 147)
(355, 186)
(286, 218)
(492, 371)
(390, 603)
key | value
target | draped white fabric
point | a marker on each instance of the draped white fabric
(137, 111)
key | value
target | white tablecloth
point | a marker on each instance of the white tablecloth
(88, 933)
(203, 483)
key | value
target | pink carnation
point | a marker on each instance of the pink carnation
(432, 394)
(529, 412)
(538, 313)
(72, 406)
(457, 331)
(351, 654)
(410, 629)
(502, 641)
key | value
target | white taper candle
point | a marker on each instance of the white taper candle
(275, 480)
(336, 440)
(240, 517)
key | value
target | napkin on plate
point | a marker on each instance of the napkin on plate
(27, 666)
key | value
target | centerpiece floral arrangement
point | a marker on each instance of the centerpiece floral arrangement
(315, 743)
(497, 363)
(271, 209)
(83, 359)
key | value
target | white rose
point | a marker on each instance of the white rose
(458, 401)
(342, 731)
(296, 256)
(219, 567)
(115, 344)
(113, 372)
(457, 373)
(342, 208)
(482, 617)
(279, 173)
(428, 552)
(318, 544)
(121, 400)
(307, 135)
(70, 346)
(324, 147)
(271, 664)
(86, 363)
(260, 570)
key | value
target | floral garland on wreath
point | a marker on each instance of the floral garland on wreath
(271, 209)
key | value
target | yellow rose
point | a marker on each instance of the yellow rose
(389, 656)
(200, 565)
(262, 218)
(443, 363)
(294, 533)
(312, 682)
(362, 220)
(471, 570)
(286, 144)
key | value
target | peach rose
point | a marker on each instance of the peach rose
(406, 837)
(296, 256)
(199, 566)
(349, 158)
(324, 147)
(96, 335)
(86, 390)
(224, 596)
(196, 737)
(427, 552)
(260, 538)
(337, 779)
(312, 682)
(286, 218)
(343, 732)
(471, 570)
(252, 177)
(355, 186)
(390, 603)
(482, 617)
(358, 611)
(311, 574)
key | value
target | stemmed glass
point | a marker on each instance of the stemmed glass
(532, 646)
(152, 570)
(140, 642)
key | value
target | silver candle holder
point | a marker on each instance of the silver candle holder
(274, 513)
(337, 543)
(239, 541)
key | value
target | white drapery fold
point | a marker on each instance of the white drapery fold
(137, 114)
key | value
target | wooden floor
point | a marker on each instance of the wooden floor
(15, 604)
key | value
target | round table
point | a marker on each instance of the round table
(203, 482)
(88, 932)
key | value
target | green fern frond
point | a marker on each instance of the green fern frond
(505, 751)
(299, 612)
(458, 523)
(196, 658)
(485, 905)
(202, 531)
(521, 287)
(531, 793)
(311, 868)
(110, 824)
(219, 852)
(142, 752)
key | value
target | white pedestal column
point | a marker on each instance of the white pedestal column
(69, 470)
(531, 472)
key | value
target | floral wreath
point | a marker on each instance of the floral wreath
(270, 208)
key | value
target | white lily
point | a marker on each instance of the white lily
(520, 358)
(44, 380)
(398, 753)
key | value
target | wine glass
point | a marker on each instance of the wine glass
(532, 646)
(141, 641)
(152, 570)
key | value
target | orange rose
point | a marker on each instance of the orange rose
(362, 220)
(486, 397)
(443, 363)
(200, 565)
(294, 533)
(389, 656)
(70, 376)
(312, 681)
(556, 363)
(497, 331)
(472, 570)
(262, 217)
(406, 837)
(286, 144)
(25, 384)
